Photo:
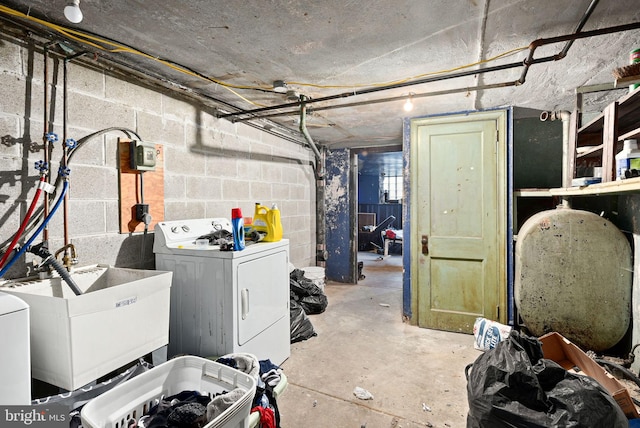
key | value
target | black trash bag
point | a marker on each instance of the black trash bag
(301, 327)
(306, 293)
(512, 385)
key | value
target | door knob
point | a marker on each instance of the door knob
(425, 244)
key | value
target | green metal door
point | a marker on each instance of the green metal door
(459, 182)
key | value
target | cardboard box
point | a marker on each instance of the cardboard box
(122, 316)
(557, 348)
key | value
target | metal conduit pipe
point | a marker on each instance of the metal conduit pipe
(307, 136)
(63, 165)
(565, 117)
(45, 137)
(372, 90)
(386, 100)
(585, 18)
(569, 38)
(69, 250)
(321, 250)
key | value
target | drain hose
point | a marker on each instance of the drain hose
(48, 260)
(64, 274)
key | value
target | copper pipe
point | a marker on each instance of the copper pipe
(65, 153)
(45, 139)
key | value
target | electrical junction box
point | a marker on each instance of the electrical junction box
(142, 156)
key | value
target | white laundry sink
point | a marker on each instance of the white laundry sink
(122, 315)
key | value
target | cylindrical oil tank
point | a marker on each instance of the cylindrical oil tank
(573, 275)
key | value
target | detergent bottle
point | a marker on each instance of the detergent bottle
(260, 218)
(237, 226)
(274, 225)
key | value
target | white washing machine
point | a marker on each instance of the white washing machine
(15, 357)
(224, 301)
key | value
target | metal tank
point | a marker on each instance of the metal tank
(573, 275)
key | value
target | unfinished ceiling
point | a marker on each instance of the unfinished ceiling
(367, 54)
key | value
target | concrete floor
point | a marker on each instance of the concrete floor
(361, 343)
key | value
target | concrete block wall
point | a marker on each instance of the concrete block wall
(211, 165)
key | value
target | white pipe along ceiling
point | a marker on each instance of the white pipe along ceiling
(355, 66)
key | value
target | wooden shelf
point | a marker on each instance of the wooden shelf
(635, 133)
(590, 152)
(625, 81)
(617, 187)
(532, 193)
(628, 106)
(594, 126)
(602, 136)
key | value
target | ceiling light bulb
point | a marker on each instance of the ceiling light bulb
(72, 11)
(408, 106)
(280, 87)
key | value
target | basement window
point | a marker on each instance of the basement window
(392, 188)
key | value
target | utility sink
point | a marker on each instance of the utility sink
(122, 315)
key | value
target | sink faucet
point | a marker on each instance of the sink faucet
(70, 257)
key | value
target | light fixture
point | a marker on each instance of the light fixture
(279, 86)
(292, 95)
(72, 11)
(408, 105)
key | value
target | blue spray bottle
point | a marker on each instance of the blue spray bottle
(237, 226)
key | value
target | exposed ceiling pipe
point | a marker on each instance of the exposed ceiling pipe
(569, 38)
(321, 249)
(307, 136)
(385, 100)
(580, 25)
(112, 64)
(372, 90)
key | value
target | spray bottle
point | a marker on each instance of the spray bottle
(237, 229)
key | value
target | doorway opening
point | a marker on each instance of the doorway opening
(379, 217)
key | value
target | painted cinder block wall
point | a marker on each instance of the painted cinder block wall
(211, 165)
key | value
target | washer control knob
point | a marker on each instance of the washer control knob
(185, 228)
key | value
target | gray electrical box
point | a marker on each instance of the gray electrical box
(143, 156)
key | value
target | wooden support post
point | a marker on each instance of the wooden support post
(609, 140)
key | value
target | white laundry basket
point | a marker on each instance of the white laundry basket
(133, 398)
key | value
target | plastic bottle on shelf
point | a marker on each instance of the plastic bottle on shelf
(274, 225)
(237, 229)
(628, 160)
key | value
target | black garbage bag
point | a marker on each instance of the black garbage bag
(512, 385)
(301, 327)
(306, 293)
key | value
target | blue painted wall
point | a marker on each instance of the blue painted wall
(340, 222)
(369, 189)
